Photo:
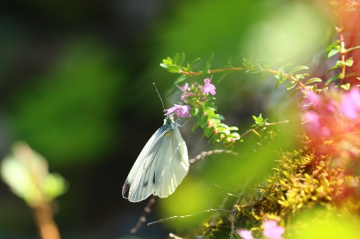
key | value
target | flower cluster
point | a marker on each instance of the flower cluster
(271, 231)
(332, 125)
(192, 97)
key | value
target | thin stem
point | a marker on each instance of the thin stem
(44, 219)
(191, 73)
(342, 53)
(190, 215)
(258, 127)
(142, 218)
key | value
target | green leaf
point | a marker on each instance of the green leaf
(233, 128)
(174, 68)
(348, 62)
(345, 86)
(196, 125)
(313, 80)
(193, 62)
(217, 116)
(294, 91)
(333, 52)
(333, 78)
(235, 135)
(333, 45)
(186, 69)
(208, 131)
(285, 66)
(163, 65)
(175, 58)
(351, 49)
(261, 78)
(338, 65)
(180, 79)
(258, 120)
(209, 106)
(181, 59)
(292, 85)
(301, 76)
(203, 121)
(167, 62)
(298, 68)
(281, 78)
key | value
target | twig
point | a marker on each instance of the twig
(204, 154)
(44, 219)
(263, 126)
(342, 52)
(142, 218)
(292, 78)
(189, 215)
(172, 235)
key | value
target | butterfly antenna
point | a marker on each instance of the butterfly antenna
(159, 96)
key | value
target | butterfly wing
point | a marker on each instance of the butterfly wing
(160, 167)
(172, 164)
(139, 183)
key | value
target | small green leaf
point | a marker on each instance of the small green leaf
(261, 78)
(333, 78)
(313, 80)
(292, 85)
(233, 128)
(235, 135)
(193, 62)
(294, 91)
(163, 65)
(180, 79)
(167, 62)
(352, 48)
(223, 126)
(196, 125)
(173, 68)
(338, 65)
(203, 121)
(298, 68)
(345, 86)
(281, 78)
(181, 59)
(333, 45)
(175, 58)
(217, 116)
(333, 52)
(348, 62)
(209, 106)
(258, 120)
(208, 131)
(301, 76)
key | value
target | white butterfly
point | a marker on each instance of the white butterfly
(161, 166)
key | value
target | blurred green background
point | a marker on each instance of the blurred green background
(76, 85)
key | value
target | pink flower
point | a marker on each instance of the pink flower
(312, 99)
(272, 230)
(244, 234)
(208, 87)
(185, 94)
(350, 105)
(180, 110)
(312, 122)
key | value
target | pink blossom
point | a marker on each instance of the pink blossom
(244, 234)
(185, 94)
(208, 87)
(180, 110)
(312, 122)
(350, 104)
(312, 99)
(272, 230)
